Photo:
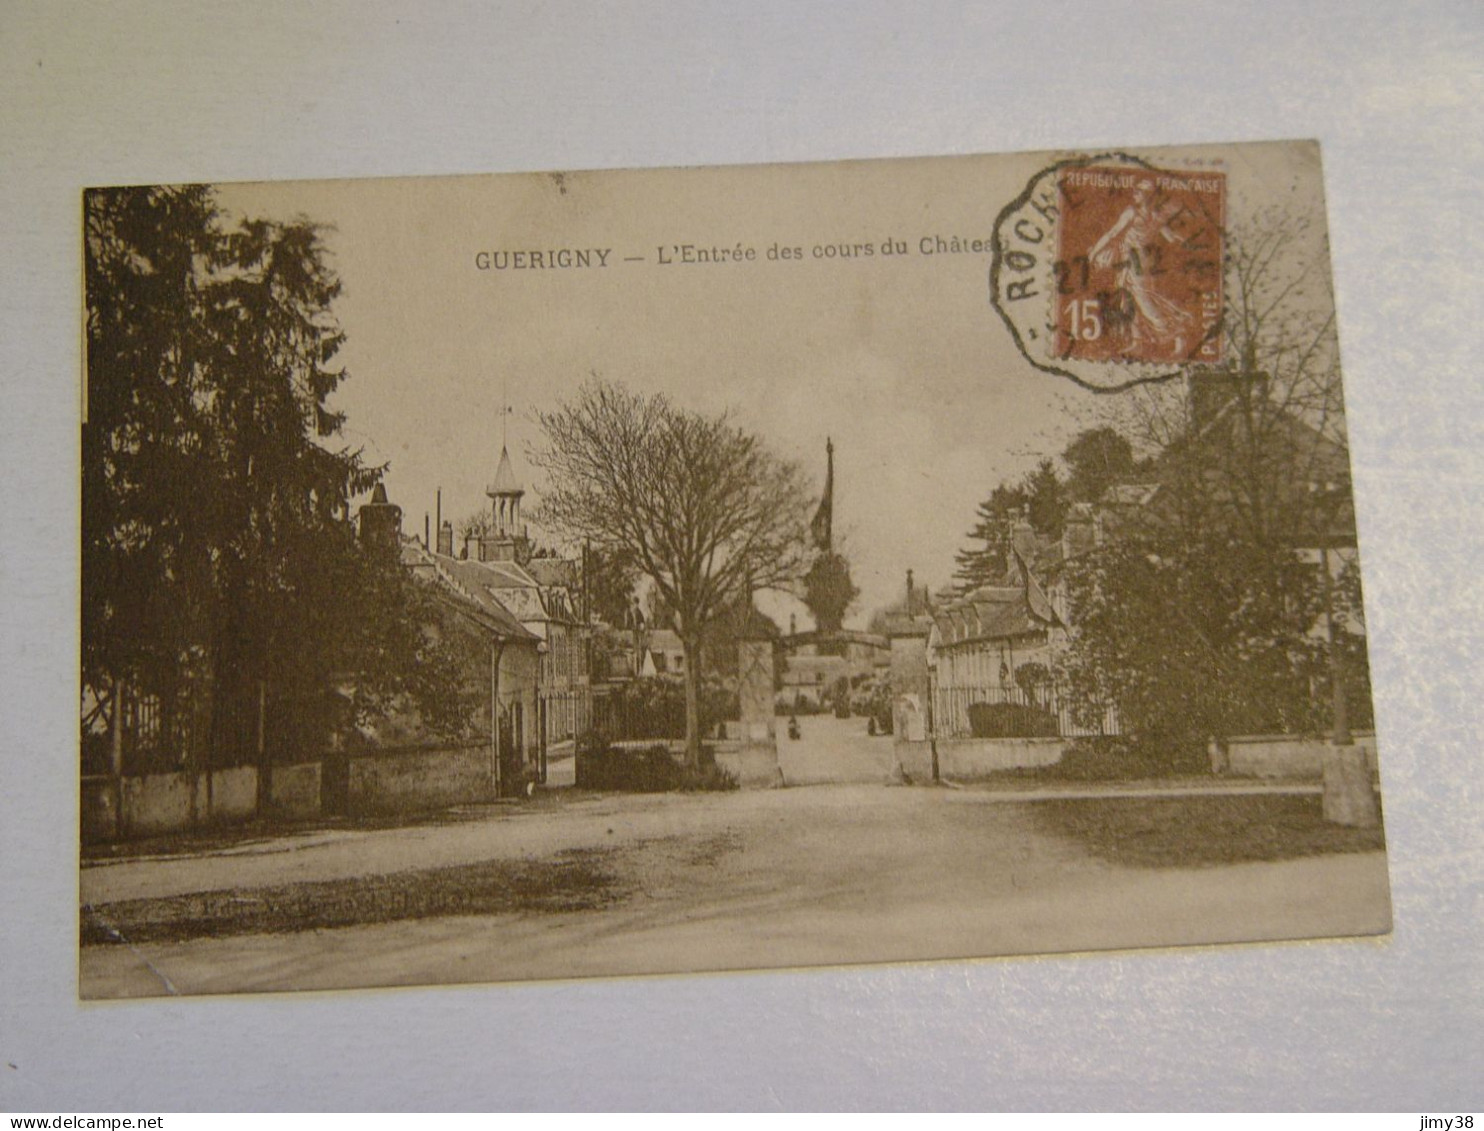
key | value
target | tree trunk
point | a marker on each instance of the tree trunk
(692, 648)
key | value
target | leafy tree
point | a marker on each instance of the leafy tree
(218, 554)
(1097, 459)
(1189, 639)
(1040, 496)
(610, 580)
(829, 591)
(1046, 500)
(1199, 618)
(700, 507)
(987, 563)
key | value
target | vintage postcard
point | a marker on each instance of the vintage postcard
(582, 574)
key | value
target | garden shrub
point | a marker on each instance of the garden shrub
(647, 769)
(1011, 720)
(1111, 757)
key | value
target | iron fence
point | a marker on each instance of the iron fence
(128, 730)
(621, 717)
(567, 713)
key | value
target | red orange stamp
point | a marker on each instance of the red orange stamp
(1138, 266)
(1108, 270)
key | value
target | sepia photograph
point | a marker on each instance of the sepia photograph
(646, 572)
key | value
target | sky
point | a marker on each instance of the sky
(901, 359)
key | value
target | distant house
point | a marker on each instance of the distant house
(815, 664)
(810, 679)
(514, 663)
(663, 653)
(543, 595)
(510, 653)
(980, 647)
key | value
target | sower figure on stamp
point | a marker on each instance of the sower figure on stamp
(1130, 244)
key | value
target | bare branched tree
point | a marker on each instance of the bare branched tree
(474, 526)
(1259, 441)
(694, 503)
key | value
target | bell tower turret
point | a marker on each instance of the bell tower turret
(506, 540)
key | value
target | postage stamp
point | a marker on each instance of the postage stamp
(1107, 269)
(1138, 266)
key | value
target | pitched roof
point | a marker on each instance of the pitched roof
(912, 615)
(505, 482)
(461, 582)
(995, 612)
(663, 640)
(506, 574)
(555, 571)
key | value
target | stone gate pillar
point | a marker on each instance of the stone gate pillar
(911, 691)
(754, 760)
(755, 685)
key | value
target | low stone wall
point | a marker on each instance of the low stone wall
(98, 813)
(410, 780)
(976, 757)
(153, 804)
(391, 782)
(295, 792)
(1283, 755)
(967, 758)
(159, 803)
(234, 795)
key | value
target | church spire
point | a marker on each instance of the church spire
(822, 528)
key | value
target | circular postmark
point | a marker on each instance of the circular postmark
(1108, 270)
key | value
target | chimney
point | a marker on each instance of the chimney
(793, 624)
(910, 593)
(445, 539)
(381, 522)
(1209, 391)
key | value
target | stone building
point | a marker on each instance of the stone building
(543, 594)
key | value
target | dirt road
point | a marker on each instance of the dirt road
(791, 877)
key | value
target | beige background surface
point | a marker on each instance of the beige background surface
(95, 94)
